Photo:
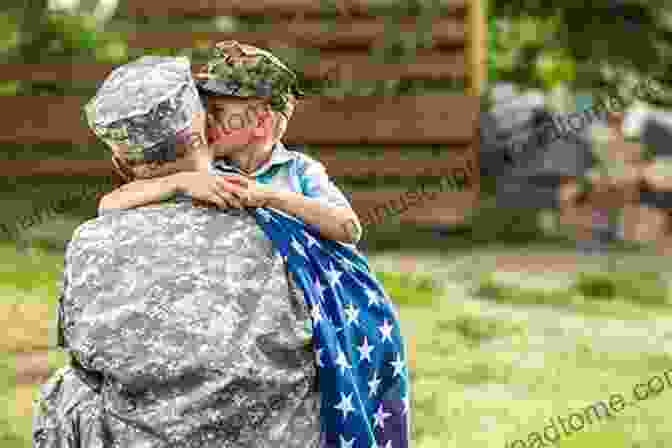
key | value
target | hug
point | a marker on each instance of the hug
(219, 300)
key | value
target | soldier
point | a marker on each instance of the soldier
(181, 324)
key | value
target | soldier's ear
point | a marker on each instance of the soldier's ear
(124, 172)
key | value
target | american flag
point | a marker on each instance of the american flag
(359, 351)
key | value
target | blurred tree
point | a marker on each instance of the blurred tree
(38, 31)
(588, 45)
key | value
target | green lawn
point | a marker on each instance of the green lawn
(485, 371)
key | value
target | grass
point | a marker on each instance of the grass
(481, 376)
(647, 288)
(409, 290)
(643, 288)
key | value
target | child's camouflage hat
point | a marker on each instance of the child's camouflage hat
(245, 71)
(144, 105)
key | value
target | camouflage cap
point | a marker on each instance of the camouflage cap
(245, 71)
(144, 105)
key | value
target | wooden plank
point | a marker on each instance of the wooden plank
(342, 65)
(478, 47)
(55, 72)
(446, 32)
(448, 207)
(394, 164)
(56, 167)
(426, 64)
(211, 8)
(423, 119)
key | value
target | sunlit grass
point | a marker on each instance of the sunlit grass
(409, 289)
(480, 379)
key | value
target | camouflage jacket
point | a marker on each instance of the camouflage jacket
(184, 330)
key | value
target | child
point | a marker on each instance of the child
(249, 97)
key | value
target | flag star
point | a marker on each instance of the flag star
(352, 312)
(398, 366)
(315, 312)
(365, 350)
(333, 275)
(374, 299)
(380, 417)
(311, 240)
(318, 357)
(298, 247)
(407, 405)
(345, 405)
(386, 331)
(373, 384)
(345, 443)
(342, 361)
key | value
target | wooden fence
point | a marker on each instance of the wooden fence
(397, 122)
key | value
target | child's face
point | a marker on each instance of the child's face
(236, 123)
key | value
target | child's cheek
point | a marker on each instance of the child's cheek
(216, 135)
(237, 137)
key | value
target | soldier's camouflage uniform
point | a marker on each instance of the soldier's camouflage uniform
(183, 326)
(185, 332)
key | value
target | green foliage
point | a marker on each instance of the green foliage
(476, 330)
(644, 288)
(545, 43)
(596, 286)
(493, 223)
(647, 288)
(9, 33)
(410, 290)
(60, 38)
(489, 288)
(34, 269)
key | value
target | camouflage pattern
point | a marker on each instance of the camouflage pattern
(245, 71)
(185, 330)
(145, 105)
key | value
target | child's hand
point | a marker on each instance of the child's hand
(219, 190)
(253, 194)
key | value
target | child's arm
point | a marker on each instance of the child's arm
(334, 223)
(203, 186)
(321, 204)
